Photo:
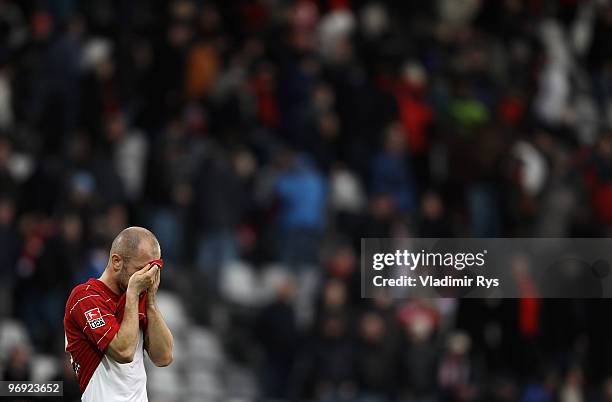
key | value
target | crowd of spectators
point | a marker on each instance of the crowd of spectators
(252, 133)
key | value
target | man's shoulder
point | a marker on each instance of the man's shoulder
(85, 297)
(83, 289)
(82, 292)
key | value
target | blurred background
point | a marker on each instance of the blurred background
(260, 140)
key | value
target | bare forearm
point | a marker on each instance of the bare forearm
(123, 345)
(159, 338)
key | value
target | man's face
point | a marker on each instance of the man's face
(142, 257)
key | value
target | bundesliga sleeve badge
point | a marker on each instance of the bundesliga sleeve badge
(94, 318)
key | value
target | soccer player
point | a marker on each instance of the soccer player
(110, 321)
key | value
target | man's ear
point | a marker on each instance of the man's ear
(116, 262)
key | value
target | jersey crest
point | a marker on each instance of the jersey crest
(94, 318)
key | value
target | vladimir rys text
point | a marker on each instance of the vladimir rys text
(422, 259)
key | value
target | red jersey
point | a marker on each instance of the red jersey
(92, 318)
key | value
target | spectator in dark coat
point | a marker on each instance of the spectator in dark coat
(326, 369)
(279, 336)
(391, 173)
(375, 359)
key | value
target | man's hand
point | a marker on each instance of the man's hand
(158, 338)
(152, 290)
(143, 279)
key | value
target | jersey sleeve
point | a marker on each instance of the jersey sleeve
(95, 318)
